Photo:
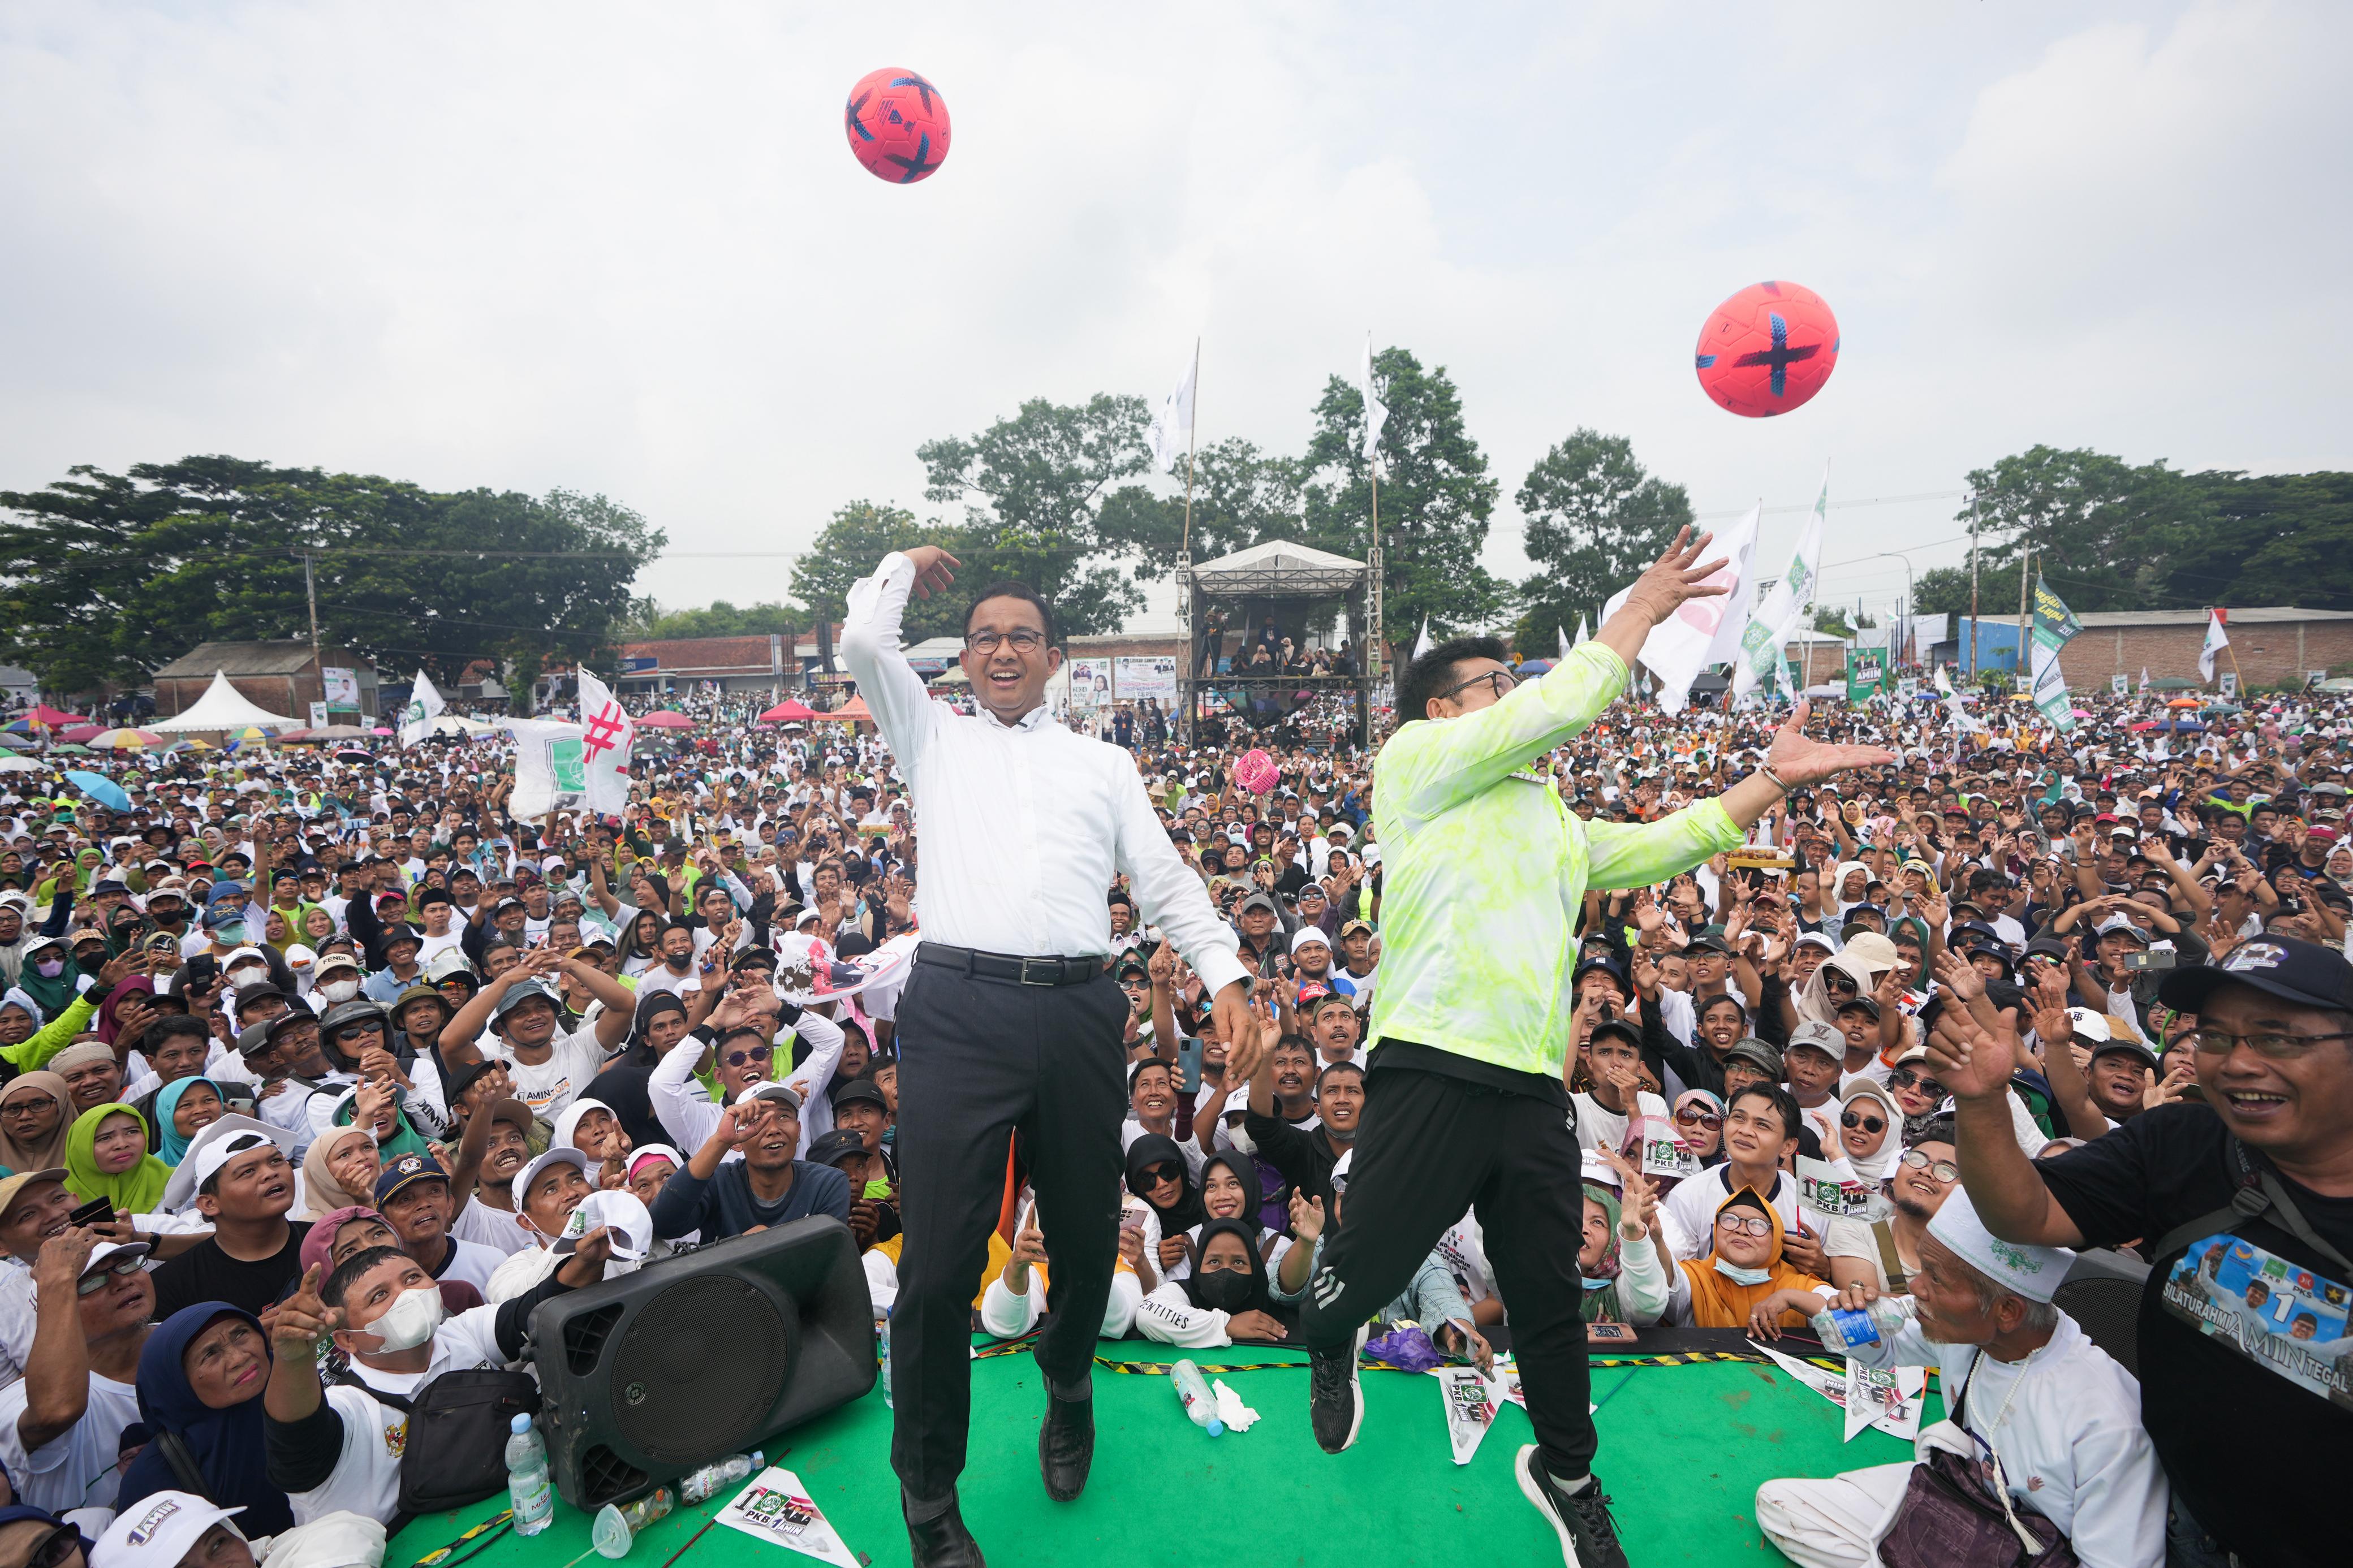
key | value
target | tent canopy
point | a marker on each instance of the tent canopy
(790, 710)
(1280, 569)
(222, 707)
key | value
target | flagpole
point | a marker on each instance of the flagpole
(1973, 588)
(1186, 678)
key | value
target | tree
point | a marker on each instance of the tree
(2102, 530)
(648, 622)
(1435, 496)
(1833, 619)
(1034, 488)
(1241, 497)
(2268, 539)
(109, 577)
(1594, 519)
(1941, 591)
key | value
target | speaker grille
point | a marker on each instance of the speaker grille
(700, 1369)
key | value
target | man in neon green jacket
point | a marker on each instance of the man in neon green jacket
(1465, 1104)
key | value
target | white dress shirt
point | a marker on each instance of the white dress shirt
(1023, 825)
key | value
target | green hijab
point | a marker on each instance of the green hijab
(402, 1140)
(1600, 1303)
(138, 1189)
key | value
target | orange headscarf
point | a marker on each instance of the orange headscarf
(1718, 1302)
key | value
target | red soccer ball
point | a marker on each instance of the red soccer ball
(897, 124)
(1767, 349)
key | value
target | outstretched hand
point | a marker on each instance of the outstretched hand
(1800, 759)
(1676, 575)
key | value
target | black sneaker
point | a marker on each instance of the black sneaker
(1588, 1536)
(1335, 1398)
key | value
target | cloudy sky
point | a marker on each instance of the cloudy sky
(623, 247)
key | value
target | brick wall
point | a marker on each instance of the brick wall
(2267, 651)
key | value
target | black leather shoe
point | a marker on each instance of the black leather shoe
(943, 1542)
(1066, 1446)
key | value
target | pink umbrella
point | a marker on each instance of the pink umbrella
(380, 730)
(665, 720)
(79, 734)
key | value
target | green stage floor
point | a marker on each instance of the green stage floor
(1683, 1448)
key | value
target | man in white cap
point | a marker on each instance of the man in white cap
(172, 1529)
(61, 1427)
(2062, 1419)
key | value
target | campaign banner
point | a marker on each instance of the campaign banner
(2287, 1318)
(777, 1507)
(1470, 1409)
(1865, 669)
(1089, 684)
(341, 688)
(1821, 1187)
(1145, 678)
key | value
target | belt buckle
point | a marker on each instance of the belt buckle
(1056, 971)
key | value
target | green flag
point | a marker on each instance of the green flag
(2055, 623)
(1864, 667)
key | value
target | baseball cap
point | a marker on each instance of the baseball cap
(2125, 1043)
(158, 1531)
(1620, 1029)
(1351, 926)
(862, 1089)
(2118, 925)
(1819, 1036)
(1258, 902)
(12, 1187)
(2283, 966)
(207, 1162)
(1758, 1053)
(1815, 939)
(406, 1171)
(1868, 1004)
(1708, 942)
(615, 1209)
(789, 1098)
(837, 1146)
(566, 1155)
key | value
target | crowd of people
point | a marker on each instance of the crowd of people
(322, 1074)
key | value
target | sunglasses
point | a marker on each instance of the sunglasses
(1159, 1174)
(756, 1054)
(1904, 1077)
(54, 1548)
(1840, 984)
(1693, 1116)
(1852, 1119)
(1944, 1171)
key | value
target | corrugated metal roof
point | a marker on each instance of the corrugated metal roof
(2251, 617)
(235, 659)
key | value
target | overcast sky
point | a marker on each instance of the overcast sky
(623, 247)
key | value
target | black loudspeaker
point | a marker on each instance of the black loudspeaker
(696, 1357)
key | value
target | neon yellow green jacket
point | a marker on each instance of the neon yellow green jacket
(1486, 869)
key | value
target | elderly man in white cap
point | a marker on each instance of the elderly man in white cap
(2062, 1420)
(181, 1530)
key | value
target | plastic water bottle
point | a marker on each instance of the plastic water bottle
(707, 1482)
(1200, 1404)
(883, 1332)
(1844, 1330)
(528, 1490)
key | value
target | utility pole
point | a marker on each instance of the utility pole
(310, 589)
(1973, 587)
(2025, 666)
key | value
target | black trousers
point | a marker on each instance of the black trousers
(1431, 1147)
(977, 1059)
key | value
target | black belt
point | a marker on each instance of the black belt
(1049, 970)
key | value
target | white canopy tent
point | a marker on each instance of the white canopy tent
(1280, 568)
(223, 707)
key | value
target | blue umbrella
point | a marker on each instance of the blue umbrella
(99, 788)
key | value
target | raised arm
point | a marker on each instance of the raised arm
(903, 710)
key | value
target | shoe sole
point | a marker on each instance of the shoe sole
(1523, 1472)
(1355, 1391)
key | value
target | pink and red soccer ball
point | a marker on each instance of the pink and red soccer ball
(1767, 349)
(897, 124)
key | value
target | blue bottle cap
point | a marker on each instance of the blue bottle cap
(519, 1426)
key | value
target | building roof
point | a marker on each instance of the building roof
(702, 656)
(287, 658)
(2274, 615)
(1279, 567)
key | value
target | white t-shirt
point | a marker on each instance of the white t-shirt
(659, 978)
(480, 1224)
(1599, 1127)
(474, 1263)
(563, 1077)
(367, 1477)
(77, 1468)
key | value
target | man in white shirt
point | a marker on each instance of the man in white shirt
(61, 1427)
(1010, 1017)
(550, 1069)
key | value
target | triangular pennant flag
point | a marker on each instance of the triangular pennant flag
(1470, 1409)
(424, 706)
(1171, 433)
(777, 1507)
(1564, 637)
(1422, 643)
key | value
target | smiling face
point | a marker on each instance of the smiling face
(2298, 1108)
(1009, 679)
(1222, 1194)
(1738, 1240)
(1870, 1131)
(1152, 1096)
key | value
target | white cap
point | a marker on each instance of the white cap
(544, 1162)
(106, 1251)
(2033, 1272)
(207, 1161)
(158, 1531)
(2090, 1028)
(1309, 936)
(617, 1209)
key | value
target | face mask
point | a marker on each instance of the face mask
(231, 934)
(338, 990)
(48, 968)
(1739, 1276)
(1225, 1290)
(409, 1321)
(90, 963)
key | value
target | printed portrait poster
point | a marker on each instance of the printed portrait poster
(2285, 1318)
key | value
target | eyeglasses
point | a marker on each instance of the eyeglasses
(1502, 680)
(1904, 1077)
(1751, 1225)
(1159, 1174)
(92, 1283)
(1693, 1116)
(1023, 639)
(756, 1054)
(1840, 984)
(1855, 1119)
(1944, 1171)
(2277, 1047)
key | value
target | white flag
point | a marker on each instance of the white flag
(1701, 631)
(606, 734)
(1171, 436)
(1422, 643)
(551, 768)
(1962, 718)
(2144, 678)
(2217, 639)
(1565, 644)
(1376, 413)
(424, 705)
(1782, 615)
